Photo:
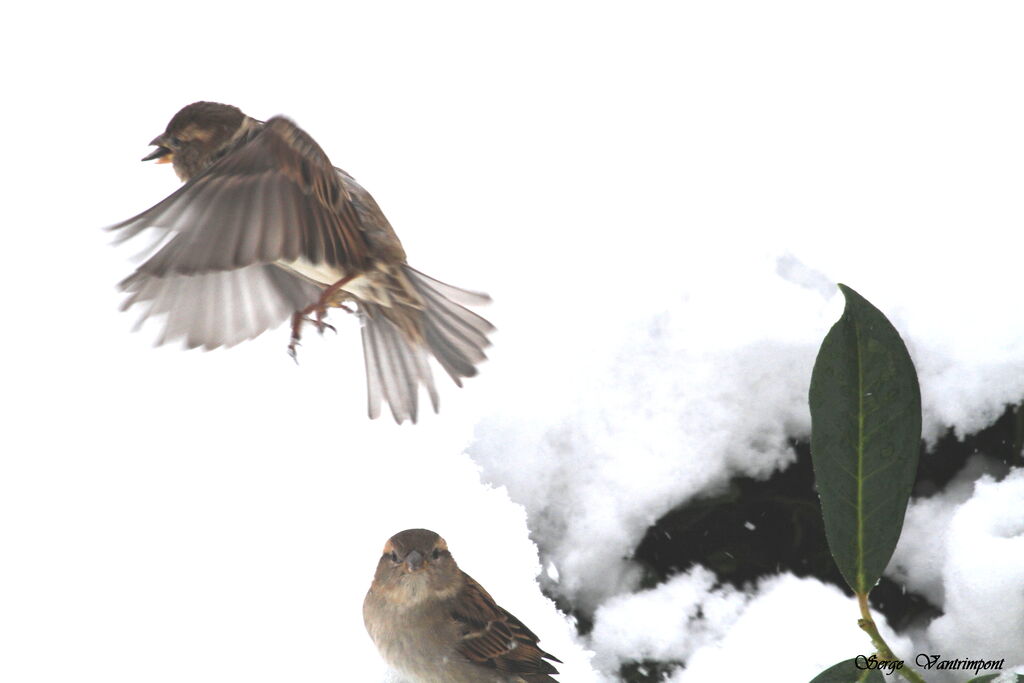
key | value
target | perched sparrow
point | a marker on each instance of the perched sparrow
(264, 228)
(434, 624)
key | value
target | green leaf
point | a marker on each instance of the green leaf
(991, 677)
(865, 438)
(847, 672)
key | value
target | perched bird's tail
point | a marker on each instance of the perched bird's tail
(424, 315)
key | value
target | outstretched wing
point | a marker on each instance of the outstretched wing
(220, 308)
(494, 638)
(274, 197)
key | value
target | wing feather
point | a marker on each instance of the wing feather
(493, 637)
(299, 205)
(221, 308)
(274, 197)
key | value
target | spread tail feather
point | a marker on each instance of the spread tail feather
(426, 316)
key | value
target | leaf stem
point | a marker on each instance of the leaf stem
(867, 624)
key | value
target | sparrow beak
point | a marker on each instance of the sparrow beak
(162, 154)
(413, 561)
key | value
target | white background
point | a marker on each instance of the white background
(659, 198)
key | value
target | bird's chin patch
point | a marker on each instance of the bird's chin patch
(412, 587)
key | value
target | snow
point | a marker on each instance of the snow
(983, 573)
(924, 543)
(786, 610)
(690, 618)
(739, 396)
(680, 616)
(660, 199)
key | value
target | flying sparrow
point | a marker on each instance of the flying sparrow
(434, 624)
(264, 228)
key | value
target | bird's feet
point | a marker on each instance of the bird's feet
(298, 318)
(318, 311)
(321, 313)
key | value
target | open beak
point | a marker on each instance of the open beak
(162, 154)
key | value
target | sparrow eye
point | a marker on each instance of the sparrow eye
(436, 554)
(173, 141)
(394, 556)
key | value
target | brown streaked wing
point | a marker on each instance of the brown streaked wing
(378, 231)
(275, 197)
(493, 637)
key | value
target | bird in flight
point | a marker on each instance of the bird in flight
(265, 228)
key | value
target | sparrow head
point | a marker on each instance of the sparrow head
(416, 567)
(197, 136)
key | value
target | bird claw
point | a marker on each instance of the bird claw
(319, 312)
(318, 321)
